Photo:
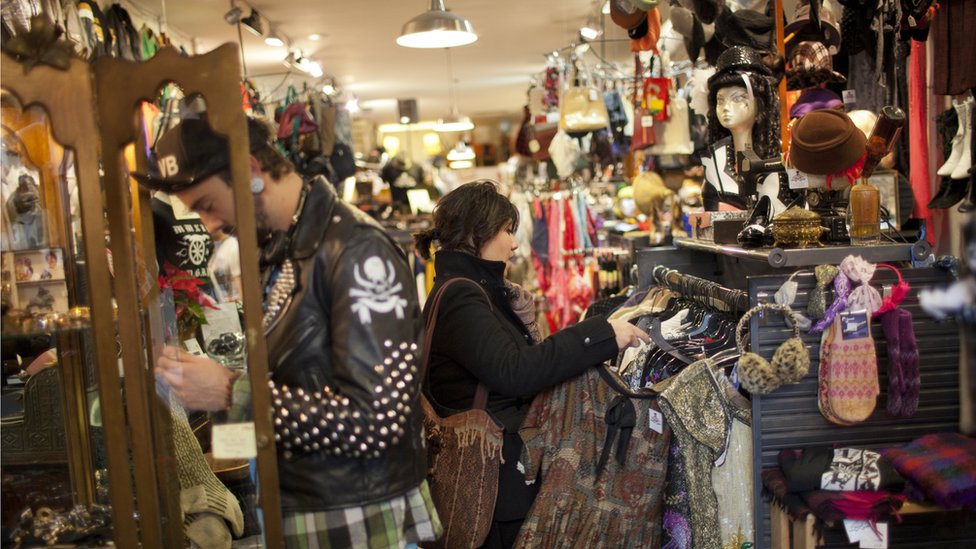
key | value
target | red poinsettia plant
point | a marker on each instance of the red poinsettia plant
(188, 299)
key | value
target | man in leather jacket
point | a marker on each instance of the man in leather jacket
(341, 321)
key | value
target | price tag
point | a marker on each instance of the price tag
(534, 146)
(860, 532)
(222, 320)
(647, 121)
(854, 324)
(233, 440)
(593, 96)
(850, 97)
(655, 421)
(798, 179)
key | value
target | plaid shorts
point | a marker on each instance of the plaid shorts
(410, 518)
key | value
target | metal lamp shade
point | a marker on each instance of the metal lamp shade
(436, 28)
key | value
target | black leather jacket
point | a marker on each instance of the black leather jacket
(343, 360)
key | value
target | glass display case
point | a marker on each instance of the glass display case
(93, 446)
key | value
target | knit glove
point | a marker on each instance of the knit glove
(523, 303)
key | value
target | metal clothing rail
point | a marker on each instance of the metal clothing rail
(703, 291)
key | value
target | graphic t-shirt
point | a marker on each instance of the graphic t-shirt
(181, 239)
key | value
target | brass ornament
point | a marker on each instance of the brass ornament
(797, 227)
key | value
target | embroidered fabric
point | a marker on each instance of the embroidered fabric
(732, 478)
(578, 506)
(699, 415)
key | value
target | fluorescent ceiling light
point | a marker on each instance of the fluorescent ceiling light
(436, 28)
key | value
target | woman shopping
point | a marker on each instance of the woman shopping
(483, 334)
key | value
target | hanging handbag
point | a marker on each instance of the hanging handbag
(542, 135)
(673, 136)
(657, 93)
(581, 110)
(643, 122)
(464, 454)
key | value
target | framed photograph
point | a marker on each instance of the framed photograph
(43, 296)
(39, 265)
(887, 183)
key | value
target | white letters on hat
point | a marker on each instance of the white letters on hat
(168, 166)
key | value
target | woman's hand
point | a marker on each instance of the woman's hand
(627, 334)
(198, 382)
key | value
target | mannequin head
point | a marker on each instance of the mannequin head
(735, 109)
(743, 68)
(761, 110)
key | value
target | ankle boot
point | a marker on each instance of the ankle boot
(961, 171)
(956, 151)
(969, 204)
(950, 192)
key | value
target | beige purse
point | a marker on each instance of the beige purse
(581, 110)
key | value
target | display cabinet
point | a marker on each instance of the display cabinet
(88, 433)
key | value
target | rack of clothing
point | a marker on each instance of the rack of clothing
(665, 462)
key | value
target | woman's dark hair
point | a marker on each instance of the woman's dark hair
(765, 132)
(466, 218)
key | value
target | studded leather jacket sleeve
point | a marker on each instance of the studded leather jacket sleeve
(356, 369)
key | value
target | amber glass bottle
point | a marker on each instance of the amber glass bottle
(864, 206)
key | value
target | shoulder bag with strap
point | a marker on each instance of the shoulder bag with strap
(464, 453)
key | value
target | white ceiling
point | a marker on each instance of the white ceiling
(358, 47)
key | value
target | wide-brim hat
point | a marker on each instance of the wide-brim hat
(745, 28)
(626, 15)
(803, 29)
(826, 142)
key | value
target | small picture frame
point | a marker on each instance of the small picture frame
(887, 183)
(37, 265)
(48, 296)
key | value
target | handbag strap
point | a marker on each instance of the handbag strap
(481, 393)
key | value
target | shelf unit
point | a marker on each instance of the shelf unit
(789, 417)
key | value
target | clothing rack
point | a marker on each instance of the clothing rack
(703, 291)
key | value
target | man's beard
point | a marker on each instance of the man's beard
(262, 224)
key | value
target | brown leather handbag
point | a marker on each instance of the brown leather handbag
(464, 453)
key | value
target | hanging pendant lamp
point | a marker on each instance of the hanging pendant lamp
(454, 121)
(436, 28)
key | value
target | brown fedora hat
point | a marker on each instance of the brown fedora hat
(826, 142)
(625, 14)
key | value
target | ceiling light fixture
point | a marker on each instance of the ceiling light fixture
(605, 10)
(253, 23)
(461, 154)
(274, 40)
(328, 89)
(436, 28)
(352, 105)
(591, 30)
(454, 121)
(233, 16)
(315, 69)
(314, 37)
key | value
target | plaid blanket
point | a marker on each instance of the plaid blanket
(943, 465)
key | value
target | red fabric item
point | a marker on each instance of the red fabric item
(918, 144)
(569, 227)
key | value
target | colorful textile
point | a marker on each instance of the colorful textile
(943, 465)
(579, 505)
(859, 505)
(409, 518)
